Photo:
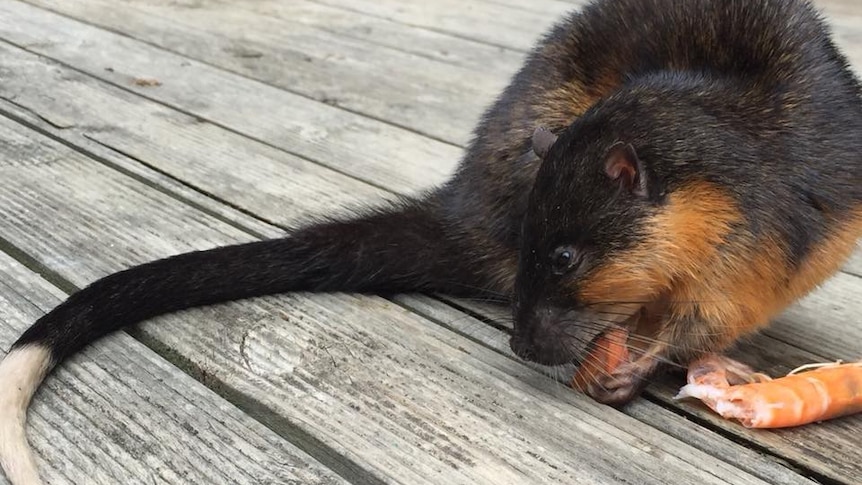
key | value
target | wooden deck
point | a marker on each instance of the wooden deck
(135, 130)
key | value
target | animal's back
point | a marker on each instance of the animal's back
(780, 73)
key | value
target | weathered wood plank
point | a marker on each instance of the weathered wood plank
(205, 156)
(118, 413)
(254, 55)
(496, 24)
(400, 88)
(559, 7)
(326, 135)
(334, 18)
(854, 266)
(479, 20)
(838, 7)
(134, 168)
(827, 322)
(367, 383)
(196, 44)
(847, 30)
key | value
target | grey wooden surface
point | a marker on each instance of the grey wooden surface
(266, 114)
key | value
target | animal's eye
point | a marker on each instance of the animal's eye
(562, 259)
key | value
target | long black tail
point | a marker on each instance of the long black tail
(410, 248)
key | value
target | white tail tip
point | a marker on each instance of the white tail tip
(21, 372)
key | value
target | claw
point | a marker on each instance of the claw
(623, 384)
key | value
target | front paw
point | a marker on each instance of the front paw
(620, 386)
(712, 368)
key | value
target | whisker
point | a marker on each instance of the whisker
(478, 289)
(644, 302)
(608, 312)
(483, 299)
(636, 339)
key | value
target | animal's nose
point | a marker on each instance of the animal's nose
(539, 338)
(528, 341)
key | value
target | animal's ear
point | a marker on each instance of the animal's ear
(543, 139)
(624, 167)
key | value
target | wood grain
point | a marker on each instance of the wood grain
(854, 266)
(343, 21)
(513, 27)
(401, 88)
(312, 130)
(209, 158)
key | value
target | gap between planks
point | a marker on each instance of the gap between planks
(402, 77)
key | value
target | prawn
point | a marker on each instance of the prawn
(811, 393)
(609, 351)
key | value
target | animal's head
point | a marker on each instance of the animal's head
(618, 222)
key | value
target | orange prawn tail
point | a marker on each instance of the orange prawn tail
(827, 392)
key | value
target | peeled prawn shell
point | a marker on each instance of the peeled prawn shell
(794, 400)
